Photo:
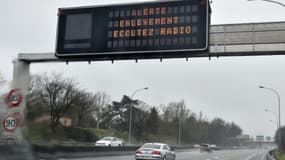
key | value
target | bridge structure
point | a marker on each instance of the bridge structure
(246, 39)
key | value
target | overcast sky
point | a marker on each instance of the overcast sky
(224, 87)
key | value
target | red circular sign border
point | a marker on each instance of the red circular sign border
(3, 123)
(12, 105)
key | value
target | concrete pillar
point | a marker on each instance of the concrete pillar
(21, 80)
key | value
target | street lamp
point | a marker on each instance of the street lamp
(275, 114)
(272, 121)
(279, 114)
(272, 1)
(278, 98)
(130, 122)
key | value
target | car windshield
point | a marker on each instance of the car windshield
(107, 139)
(204, 145)
(152, 146)
(142, 79)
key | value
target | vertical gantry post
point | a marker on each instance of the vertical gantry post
(21, 80)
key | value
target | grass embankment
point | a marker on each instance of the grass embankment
(100, 133)
(279, 155)
(41, 133)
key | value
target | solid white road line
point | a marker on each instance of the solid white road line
(251, 156)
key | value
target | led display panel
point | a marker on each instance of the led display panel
(160, 29)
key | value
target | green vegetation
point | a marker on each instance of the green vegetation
(41, 133)
(88, 116)
(281, 143)
(282, 157)
(279, 155)
(100, 133)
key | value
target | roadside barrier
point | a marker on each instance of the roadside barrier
(269, 155)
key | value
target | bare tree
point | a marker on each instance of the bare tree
(86, 106)
(174, 111)
(100, 103)
(59, 94)
(35, 106)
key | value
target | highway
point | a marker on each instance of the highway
(252, 154)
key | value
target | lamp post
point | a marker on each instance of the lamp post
(279, 114)
(278, 98)
(272, 121)
(276, 117)
(275, 114)
(272, 1)
(130, 122)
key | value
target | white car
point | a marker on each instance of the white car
(110, 142)
(205, 148)
(155, 151)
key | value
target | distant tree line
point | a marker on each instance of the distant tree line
(280, 138)
(59, 97)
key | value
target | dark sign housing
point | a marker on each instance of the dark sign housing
(161, 29)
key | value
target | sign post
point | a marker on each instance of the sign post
(16, 102)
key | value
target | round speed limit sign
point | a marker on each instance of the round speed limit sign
(10, 123)
(14, 98)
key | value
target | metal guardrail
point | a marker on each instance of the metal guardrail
(72, 149)
(269, 156)
(54, 152)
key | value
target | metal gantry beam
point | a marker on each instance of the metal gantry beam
(245, 39)
(248, 39)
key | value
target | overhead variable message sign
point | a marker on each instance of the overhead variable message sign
(159, 29)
